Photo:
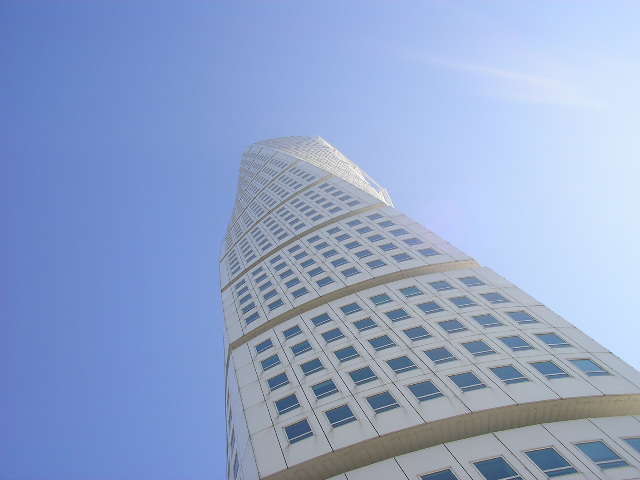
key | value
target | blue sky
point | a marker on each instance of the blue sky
(509, 128)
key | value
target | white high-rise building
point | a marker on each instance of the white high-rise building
(362, 346)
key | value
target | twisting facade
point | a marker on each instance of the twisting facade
(360, 345)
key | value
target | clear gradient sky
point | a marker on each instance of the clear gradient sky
(512, 129)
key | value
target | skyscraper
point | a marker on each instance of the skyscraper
(360, 345)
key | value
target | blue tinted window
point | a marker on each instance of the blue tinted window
(298, 431)
(424, 391)
(270, 362)
(349, 272)
(441, 475)
(417, 333)
(262, 346)
(382, 402)
(340, 416)
(287, 404)
(452, 326)
(380, 299)
(321, 319)
(313, 366)
(471, 281)
(332, 335)
(301, 348)
(509, 374)
(522, 317)
(346, 354)
(365, 324)
(589, 367)
(467, 381)
(497, 469)
(380, 343)
(551, 462)
(430, 307)
(401, 364)
(276, 304)
(277, 381)
(487, 320)
(428, 252)
(441, 285)
(401, 257)
(494, 298)
(463, 302)
(549, 370)
(324, 389)
(324, 281)
(553, 340)
(516, 343)
(440, 355)
(397, 315)
(478, 348)
(351, 308)
(338, 262)
(376, 264)
(601, 455)
(363, 375)
(411, 291)
(292, 332)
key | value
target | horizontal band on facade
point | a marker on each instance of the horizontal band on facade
(298, 237)
(343, 292)
(460, 427)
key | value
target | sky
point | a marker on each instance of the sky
(508, 128)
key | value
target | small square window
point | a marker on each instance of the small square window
(380, 299)
(522, 317)
(300, 292)
(381, 343)
(401, 257)
(353, 223)
(428, 252)
(494, 298)
(552, 340)
(589, 367)
(399, 231)
(301, 348)
(467, 381)
(375, 238)
(411, 291)
(353, 245)
(342, 237)
(321, 319)
(397, 315)
(550, 370)
(478, 348)
(332, 335)
(315, 238)
(338, 262)
(364, 253)
(287, 404)
(376, 264)
(516, 343)
(333, 230)
(424, 391)
(441, 285)
(463, 302)
(365, 324)
(262, 346)
(324, 389)
(324, 281)
(321, 245)
(440, 355)
(441, 475)
(363, 375)
(401, 364)
(382, 402)
(388, 246)
(276, 304)
(550, 462)
(329, 253)
(600, 454)
(316, 271)
(291, 332)
(340, 416)
(471, 281)
(346, 354)
(270, 362)
(487, 320)
(349, 272)
(417, 333)
(298, 431)
(497, 469)
(364, 230)
(386, 223)
(277, 381)
(292, 283)
(313, 366)
(452, 326)
(509, 374)
(430, 307)
(413, 241)
(375, 216)
(351, 308)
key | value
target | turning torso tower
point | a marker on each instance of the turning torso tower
(362, 346)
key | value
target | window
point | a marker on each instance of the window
(280, 266)
(375, 216)
(292, 283)
(467, 381)
(313, 366)
(411, 291)
(340, 416)
(363, 375)
(516, 343)
(321, 245)
(430, 307)
(550, 462)
(262, 346)
(342, 237)
(248, 307)
(287, 404)
(294, 248)
(549, 370)
(264, 286)
(399, 231)
(376, 264)
(270, 362)
(351, 308)
(338, 262)
(452, 326)
(388, 246)
(397, 315)
(353, 223)
(346, 354)
(300, 255)
(380, 299)
(315, 238)
(324, 389)
(382, 402)
(413, 241)
(375, 238)
(333, 230)
(380, 343)
(497, 469)
(300, 292)
(332, 335)
(478, 348)
(494, 298)
(401, 364)
(634, 443)
(275, 259)
(292, 332)
(298, 431)
(365, 324)
(329, 253)
(424, 391)
(589, 367)
(316, 271)
(352, 245)
(509, 374)
(440, 355)
(462, 302)
(441, 285)
(471, 281)
(321, 319)
(553, 340)
(364, 230)
(349, 272)
(487, 320)
(270, 294)
(306, 263)
(364, 253)
(252, 317)
(277, 381)
(386, 223)
(244, 299)
(401, 257)
(417, 333)
(324, 281)
(255, 272)
(441, 475)
(301, 348)
(428, 252)
(600, 454)
(522, 317)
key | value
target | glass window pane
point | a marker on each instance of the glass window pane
(332, 335)
(589, 367)
(417, 333)
(497, 469)
(380, 343)
(397, 315)
(551, 462)
(487, 320)
(321, 319)
(467, 381)
(478, 348)
(430, 307)
(346, 354)
(441, 285)
(301, 348)
(509, 374)
(363, 375)
(553, 340)
(287, 404)
(382, 402)
(634, 443)
(277, 381)
(401, 364)
(292, 332)
(270, 362)
(440, 355)
(324, 389)
(351, 308)
(411, 291)
(365, 324)
(471, 281)
(441, 475)
(452, 326)
(262, 346)
(313, 366)
(494, 298)
(424, 391)
(601, 455)
(549, 370)
(522, 317)
(340, 416)
(380, 299)
(298, 431)
(516, 343)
